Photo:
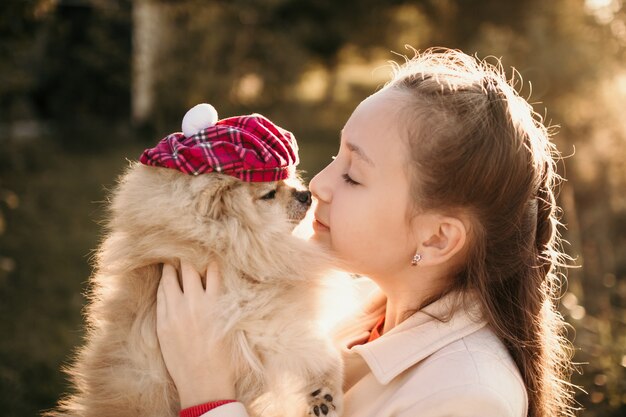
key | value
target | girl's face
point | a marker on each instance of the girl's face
(363, 194)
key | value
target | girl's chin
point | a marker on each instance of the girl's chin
(321, 238)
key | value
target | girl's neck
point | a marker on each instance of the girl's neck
(404, 300)
(398, 310)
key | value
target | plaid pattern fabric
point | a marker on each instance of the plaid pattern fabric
(250, 148)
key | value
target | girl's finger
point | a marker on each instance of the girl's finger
(161, 306)
(169, 282)
(192, 283)
(213, 281)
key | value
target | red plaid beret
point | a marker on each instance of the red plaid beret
(250, 148)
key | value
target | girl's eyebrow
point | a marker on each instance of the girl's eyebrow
(359, 152)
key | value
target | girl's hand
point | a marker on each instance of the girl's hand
(195, 357)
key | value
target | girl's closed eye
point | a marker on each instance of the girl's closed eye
(349, 180)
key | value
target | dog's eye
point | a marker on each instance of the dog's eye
(269, 195)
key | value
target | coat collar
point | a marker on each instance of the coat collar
(419, 336)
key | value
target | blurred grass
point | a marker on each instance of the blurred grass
(60, 197)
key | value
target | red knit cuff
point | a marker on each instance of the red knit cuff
(198, 410)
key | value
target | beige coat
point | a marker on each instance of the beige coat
(428, 368)
(425, 368)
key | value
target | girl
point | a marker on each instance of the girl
(443, 194)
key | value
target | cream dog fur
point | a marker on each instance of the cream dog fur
(268, 313)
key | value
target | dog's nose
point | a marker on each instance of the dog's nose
(303, 196)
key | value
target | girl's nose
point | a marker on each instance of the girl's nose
(319, 186)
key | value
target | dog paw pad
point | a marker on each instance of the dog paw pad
(321, 403)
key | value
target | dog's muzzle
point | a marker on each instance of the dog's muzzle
(303, 197)
(300, 204)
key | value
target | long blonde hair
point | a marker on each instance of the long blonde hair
(477, 146)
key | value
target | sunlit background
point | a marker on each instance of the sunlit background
(87, 84)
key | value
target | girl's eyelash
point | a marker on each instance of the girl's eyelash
(349, 180)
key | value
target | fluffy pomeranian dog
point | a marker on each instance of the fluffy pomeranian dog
(268, 311)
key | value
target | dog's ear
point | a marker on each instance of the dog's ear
(215, 199)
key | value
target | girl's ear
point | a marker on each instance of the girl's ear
(440, 238)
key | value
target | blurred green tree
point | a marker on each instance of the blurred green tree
(85, 88)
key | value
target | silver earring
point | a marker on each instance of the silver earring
(416, 258)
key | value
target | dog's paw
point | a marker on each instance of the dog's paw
(322, 404)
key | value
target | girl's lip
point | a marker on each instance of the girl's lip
(318, 225)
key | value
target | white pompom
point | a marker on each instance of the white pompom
(199, 117)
